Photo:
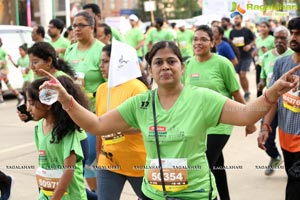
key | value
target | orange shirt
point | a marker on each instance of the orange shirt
(121, 152)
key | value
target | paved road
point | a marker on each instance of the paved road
(18, 157)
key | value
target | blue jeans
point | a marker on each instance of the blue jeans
(110, 184)
(272, 150)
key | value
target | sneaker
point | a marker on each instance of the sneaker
(274, 163)
(247, 96)
(1, 99)
(7, 189)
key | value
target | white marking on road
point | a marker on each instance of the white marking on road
(17, 147)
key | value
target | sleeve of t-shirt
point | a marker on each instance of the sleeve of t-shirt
(263, 74)
(228, 52)
(276, 72)
(213, 111)
(139, 87)
(71, 142)
(229, 76)
(128, 111)
(251, 36)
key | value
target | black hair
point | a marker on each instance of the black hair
(107, 48)
(173, 24)
(159, 21)
(161, 45)
(226, 19)
(63, 124)
(59, 24)
(294, 23)
(107, 29)
(40, 30)
(66, 33)
(44, 50)
(265, 23)
(95, 8)
(87, 17)
(206, 29)
(24, 47)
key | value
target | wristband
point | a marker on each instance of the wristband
(267, 99)
(269, 129)
(70, 105)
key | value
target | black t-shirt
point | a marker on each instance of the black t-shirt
(242, 38)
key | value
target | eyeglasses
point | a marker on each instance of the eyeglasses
(80, 26)
(201, 40)
(36, 63)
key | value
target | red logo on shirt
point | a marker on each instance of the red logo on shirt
(42, 152)
(195, 75)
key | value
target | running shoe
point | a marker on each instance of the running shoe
(274, 163)
(7, 189)
(247, 96)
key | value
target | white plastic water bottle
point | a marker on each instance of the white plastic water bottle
(48, 96)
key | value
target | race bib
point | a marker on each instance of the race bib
(48, 180)
(291, 101)
(175, 174)
(239, 41)
(183, 44)
(113, 138)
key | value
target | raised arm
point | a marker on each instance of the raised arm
(110, 122)
(238, 114)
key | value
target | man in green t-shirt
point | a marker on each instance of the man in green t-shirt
(135, 37)
(95, 11)
(159, 34)
(103, 33)
(60, 44)
(184, 40)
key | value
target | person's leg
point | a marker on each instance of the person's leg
(292, 166)
(1, 95)
(244, 68)
(144, 197)
(221, 178)
(90, 173)
(19, 96)
(257, 77)
(5, 185)
(215, 145)
(109, 185)
(272, 151)
(136, 184)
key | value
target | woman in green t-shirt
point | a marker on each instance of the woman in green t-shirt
(183, 114)
(215, 72)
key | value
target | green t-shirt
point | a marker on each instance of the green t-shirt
(157, 36)
(133, 37)
(182, 136)
(227, 33)
(86, 65)
(268, 42)
(60, 43)
(117, 35)
(2, 59)
(217, 74)
(23, 63)
(52, 156)
(184, 40)
(267, 64)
